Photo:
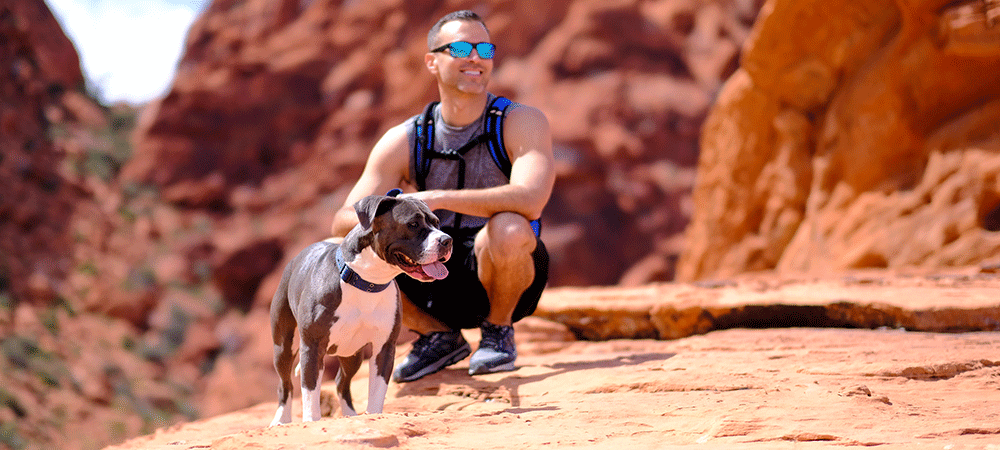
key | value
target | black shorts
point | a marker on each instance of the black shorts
(459, 300)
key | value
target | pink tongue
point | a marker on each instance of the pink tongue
(435, 270)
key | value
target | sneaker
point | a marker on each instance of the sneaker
(431, 353)
(496, 350)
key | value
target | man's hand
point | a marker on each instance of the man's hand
(431, 198)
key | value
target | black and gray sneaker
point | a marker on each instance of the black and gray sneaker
(431, 353)
(496, 351)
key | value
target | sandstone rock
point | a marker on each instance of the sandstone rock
(868, 141)
(941, 302)
(146, 293)
(36, 199)
(757, 389)
(301, 95)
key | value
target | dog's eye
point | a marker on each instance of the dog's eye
(413, 225)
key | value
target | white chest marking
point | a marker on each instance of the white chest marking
(363, 317)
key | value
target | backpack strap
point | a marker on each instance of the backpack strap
(493, 128)
(423, 145)
(492, 135)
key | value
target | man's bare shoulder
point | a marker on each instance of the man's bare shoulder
(394, 144)
(523, 112)
(398, 134)
(526, 127)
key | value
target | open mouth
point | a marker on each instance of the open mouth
(424, 272)
(473, 72)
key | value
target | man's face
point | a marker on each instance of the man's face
(470, 74)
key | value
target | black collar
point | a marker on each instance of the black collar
(352, 278)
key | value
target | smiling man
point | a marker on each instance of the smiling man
(485, 166)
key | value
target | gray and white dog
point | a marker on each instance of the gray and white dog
(343, 299)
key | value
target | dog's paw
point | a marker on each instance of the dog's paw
(282, 416)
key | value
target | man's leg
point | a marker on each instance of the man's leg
(418, 320)
(437, 347)
(506, 268)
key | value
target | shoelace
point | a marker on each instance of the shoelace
(496, 337)
(430, 344)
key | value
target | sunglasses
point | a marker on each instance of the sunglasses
(462, 49)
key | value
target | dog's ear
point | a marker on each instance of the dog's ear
(371, 207)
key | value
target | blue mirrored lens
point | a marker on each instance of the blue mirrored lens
(460, 49)
(485, 50)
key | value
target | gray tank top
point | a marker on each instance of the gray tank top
(480, 169)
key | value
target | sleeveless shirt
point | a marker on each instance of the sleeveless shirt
(480, 169)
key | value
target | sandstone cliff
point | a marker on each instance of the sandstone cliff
(134, 283)
(277, 104)
(870, 141)
(72, 308)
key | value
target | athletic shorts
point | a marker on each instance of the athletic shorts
(459, 300)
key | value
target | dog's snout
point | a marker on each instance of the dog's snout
(444, 247)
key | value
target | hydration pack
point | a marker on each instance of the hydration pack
(424, 152)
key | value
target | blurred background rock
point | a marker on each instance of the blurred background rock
(140, 243)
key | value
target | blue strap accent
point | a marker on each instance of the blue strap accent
(424, 144)
(494, 129)
(352, 278)
(492, 135)
(393, 192)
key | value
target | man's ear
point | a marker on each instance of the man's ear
(370, 207)
(431, 62)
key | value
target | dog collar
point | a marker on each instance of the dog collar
(352, 278)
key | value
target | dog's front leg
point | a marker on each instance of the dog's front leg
(348, 367)
(379, 371)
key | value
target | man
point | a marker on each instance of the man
(499, 265)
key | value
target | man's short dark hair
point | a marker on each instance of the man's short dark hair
(457, 15)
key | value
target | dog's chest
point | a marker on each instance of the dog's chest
(363, 317)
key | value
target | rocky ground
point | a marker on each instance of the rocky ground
(800, 387)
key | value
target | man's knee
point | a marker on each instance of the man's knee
(511, 233)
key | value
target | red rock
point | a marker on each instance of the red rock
(303, 97)
(742, 388)
(869, 142)
(146, 293)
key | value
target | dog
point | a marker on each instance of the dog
(343, 298)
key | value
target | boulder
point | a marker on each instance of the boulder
(869, 140)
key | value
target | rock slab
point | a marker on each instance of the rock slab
(777, 388)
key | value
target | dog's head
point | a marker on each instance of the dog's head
(404, 232)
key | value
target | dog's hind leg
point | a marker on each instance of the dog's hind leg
(349, 366)
(282, 332)
(311, 359)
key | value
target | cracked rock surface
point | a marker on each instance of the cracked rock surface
(774, 388)
(807, 386)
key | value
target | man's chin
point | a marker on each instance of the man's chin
(470, 88)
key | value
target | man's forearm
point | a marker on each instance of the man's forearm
(344, 221)
(485, 202)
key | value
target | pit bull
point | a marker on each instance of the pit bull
(343, 299)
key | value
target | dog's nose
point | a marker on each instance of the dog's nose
(445, 241)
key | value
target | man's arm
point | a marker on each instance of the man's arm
(528, 141)
(387, 168)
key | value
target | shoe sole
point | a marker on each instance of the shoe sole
(452, 358)
(506, 367)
